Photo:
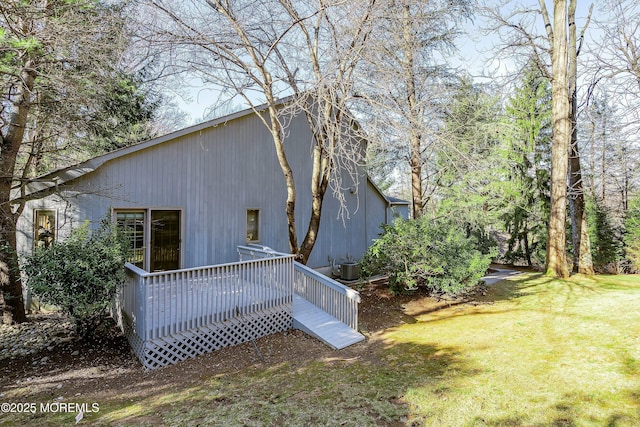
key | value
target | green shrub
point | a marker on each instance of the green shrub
(434, 254)
(80, 275)
(632, 234)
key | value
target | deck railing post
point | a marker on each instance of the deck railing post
(335, 298)
(338, 300)
(167, 308)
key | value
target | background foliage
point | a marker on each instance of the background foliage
(632, 234)
(606, 239)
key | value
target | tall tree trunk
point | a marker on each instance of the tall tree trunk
(319, 184)
(287, 172)
(416, 176)
(11, 300)
(10, 283)
(556, 241)
(625, 186)
(277, 134)
(582, 261)
(527, 249)
(603, 159)
(319, 181)
(415, 140)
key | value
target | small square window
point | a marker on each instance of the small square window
(253, 225)
(44, 228)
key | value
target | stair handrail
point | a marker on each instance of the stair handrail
(315, 287)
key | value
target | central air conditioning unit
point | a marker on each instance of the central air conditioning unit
(349, 271)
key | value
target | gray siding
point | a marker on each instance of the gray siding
(377, 213)
(213, 175)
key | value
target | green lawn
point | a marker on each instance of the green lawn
(534, 352)
(546, 352)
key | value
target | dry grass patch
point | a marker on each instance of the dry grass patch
(532, 351)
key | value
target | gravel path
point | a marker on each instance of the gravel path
(499, 274)
(42, 331)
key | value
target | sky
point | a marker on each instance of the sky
(477, 47)
(476, 56)
(195, 100)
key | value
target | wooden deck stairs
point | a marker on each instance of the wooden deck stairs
(321, 325)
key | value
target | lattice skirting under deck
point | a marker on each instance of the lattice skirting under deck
(177, 347)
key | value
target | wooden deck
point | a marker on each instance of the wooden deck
(217, 300)
(319, 324)
(174, 315)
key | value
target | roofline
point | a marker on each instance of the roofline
(60, 176)
(386, 198)
(52, 180)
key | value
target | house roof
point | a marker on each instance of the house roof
(52, 179)
(396, 201)
(391, 201)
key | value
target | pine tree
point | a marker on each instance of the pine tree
(124, 115)
(606, 241)
(528, 151)
(55, 58)
(470, 169)
(632, 234)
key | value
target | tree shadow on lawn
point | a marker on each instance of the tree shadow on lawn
(479, 302)
(302, 382)
(530, 284)
(528, 292)
(574, 409)
(361, 385)
(419, 306)
(333, 390)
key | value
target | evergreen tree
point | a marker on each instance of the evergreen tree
(55, 58)
(470, 169)
(527, 148)
(408, 83)
(606, 240)
(632, 234)
(124, 116)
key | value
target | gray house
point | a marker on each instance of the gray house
(189, 198)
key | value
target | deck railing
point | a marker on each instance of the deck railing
(131, 301)
(171, 316)
(254, 251)
(166, 303)
(338, 300)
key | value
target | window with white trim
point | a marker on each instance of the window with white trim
(132, 225)
(253, 225)
(44, 228)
